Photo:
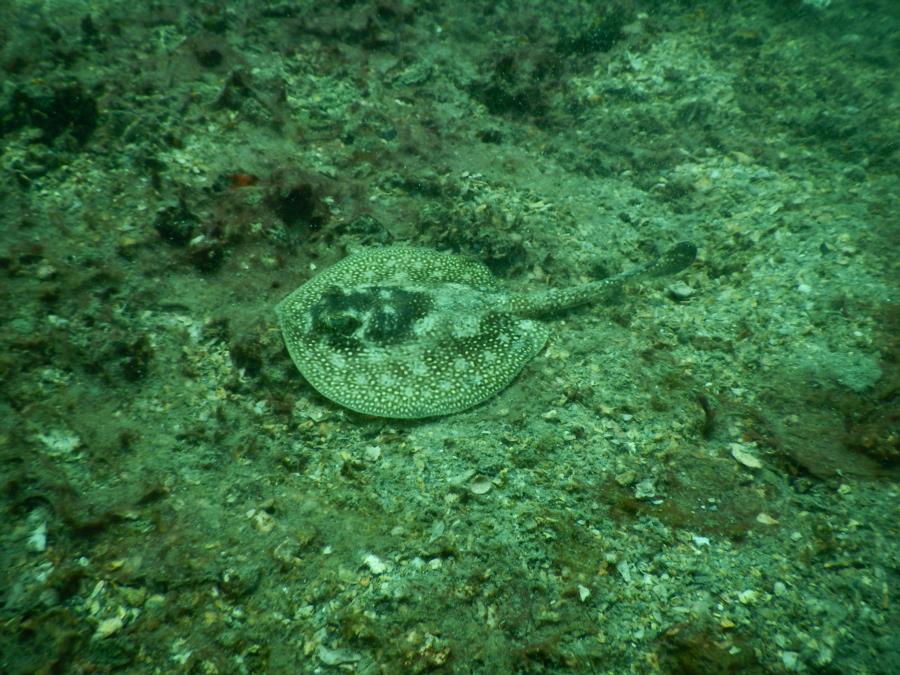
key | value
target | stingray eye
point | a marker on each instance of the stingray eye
(343, 324)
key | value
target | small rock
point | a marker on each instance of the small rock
(790, 660)
(645, 489)
(263, 521)
(680, 291)
(135, 596)
(480, 486)
(744, 457)
(45, 271)
(626, 478)
(37, 540)
(59, 442)
(108, 627)
(240, 581)
(334, 657)
(748, 597)
(288, 552)
(375, 564)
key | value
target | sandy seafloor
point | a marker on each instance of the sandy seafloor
(698, 475)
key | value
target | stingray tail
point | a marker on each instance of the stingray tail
(672, 261)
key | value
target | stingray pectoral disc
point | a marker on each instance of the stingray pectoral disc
(406, 332)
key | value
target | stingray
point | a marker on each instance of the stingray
(405, 332)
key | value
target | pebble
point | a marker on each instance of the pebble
(108, 627)
(748, 597)
(37, 540)
(680, 291)
(645, 489)
(480, 486)
(335, 657)
(624, 569)
(744, 457)
(790, 660)
(288, 552)
(262, 521)
(375, 564)
(626, 478)
(156, 601)
(45, 271)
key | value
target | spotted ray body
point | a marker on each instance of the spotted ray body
(407, 332)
